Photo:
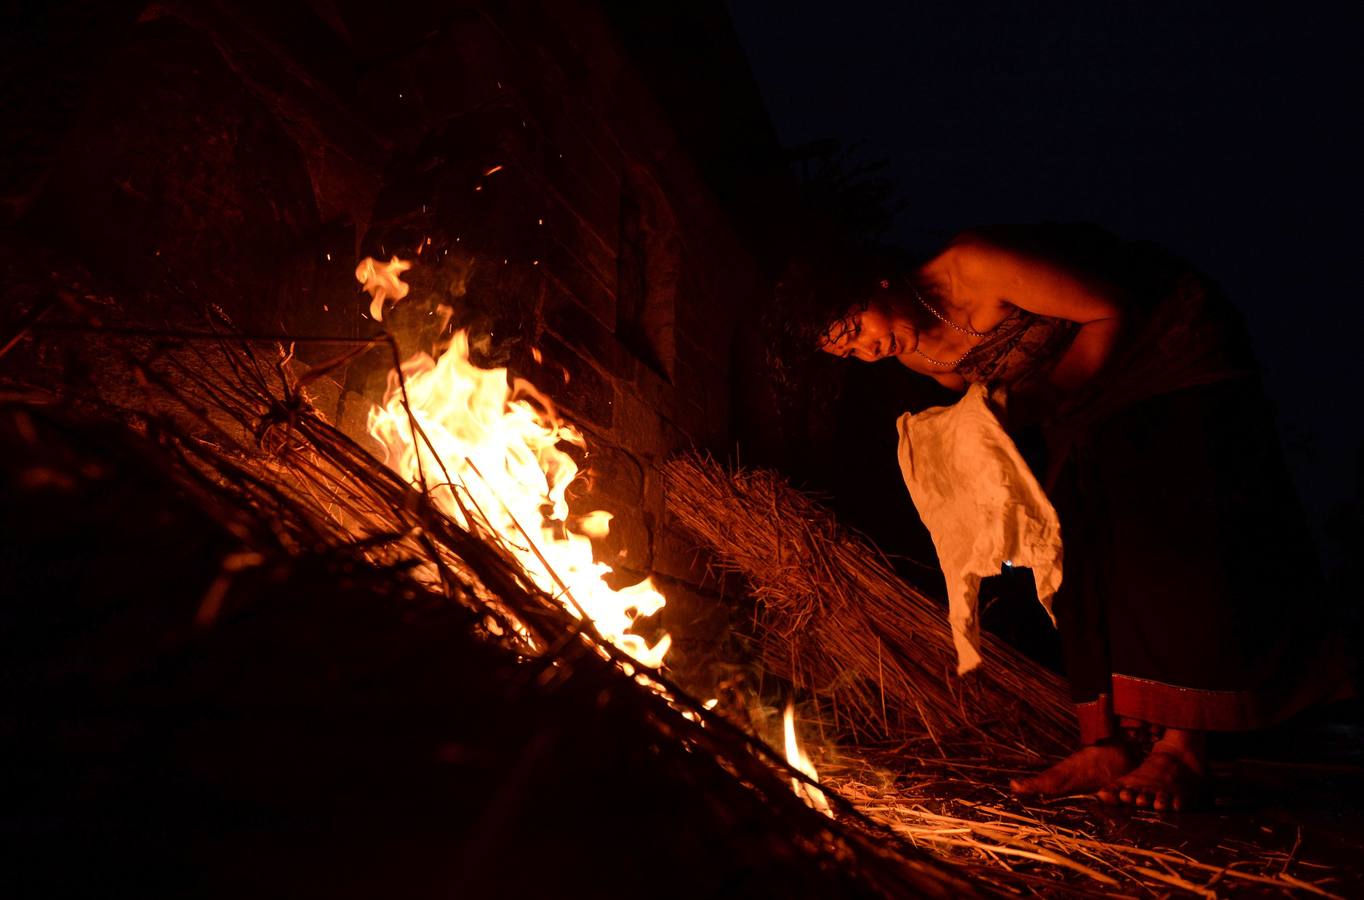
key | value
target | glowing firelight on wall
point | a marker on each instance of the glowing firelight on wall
(490, 457)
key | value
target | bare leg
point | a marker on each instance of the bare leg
(1171, 777)
(1084, 771)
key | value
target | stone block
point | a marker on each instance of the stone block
(583, 392)
(577, 325)
(595, 241)
(579, 277)
(639, 426)
(585, 173)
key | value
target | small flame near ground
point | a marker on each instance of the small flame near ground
(491, 461)
(813, 796)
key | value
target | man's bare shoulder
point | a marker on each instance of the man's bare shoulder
(975, 259)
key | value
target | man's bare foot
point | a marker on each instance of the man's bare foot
(1171, 777)
(1084, 771)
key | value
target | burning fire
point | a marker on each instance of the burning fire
(490, 458)
(813, 796)
(383, 281)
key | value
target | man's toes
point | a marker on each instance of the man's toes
(1108, 794)
(1125, 795)
(1143, 799)
(1161, 801)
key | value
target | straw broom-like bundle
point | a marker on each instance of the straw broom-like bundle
(833, 617)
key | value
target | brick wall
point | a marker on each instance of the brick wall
(246, 155)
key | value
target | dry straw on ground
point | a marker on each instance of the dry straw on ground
(958, 809)
(832, 617)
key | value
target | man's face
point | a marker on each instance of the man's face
(870, 333)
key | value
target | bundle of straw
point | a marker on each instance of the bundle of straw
(832, 617)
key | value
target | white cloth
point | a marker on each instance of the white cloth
(983, 506)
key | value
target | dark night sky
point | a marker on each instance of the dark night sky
(1228, 135)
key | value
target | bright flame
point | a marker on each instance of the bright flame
(497, 470)
(813, 796)
(382, 281)
(596, 524)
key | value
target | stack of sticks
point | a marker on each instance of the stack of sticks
(305, 518)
